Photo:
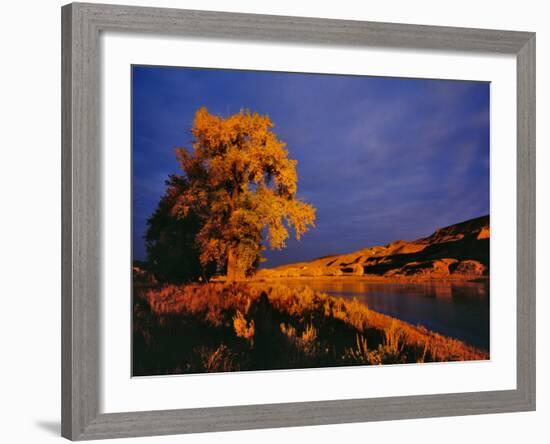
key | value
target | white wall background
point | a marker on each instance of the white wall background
(30, 220)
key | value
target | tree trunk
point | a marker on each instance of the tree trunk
(232, 265)
(235, 270)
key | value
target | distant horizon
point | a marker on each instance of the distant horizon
(381, 158)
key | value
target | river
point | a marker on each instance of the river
(456, 309)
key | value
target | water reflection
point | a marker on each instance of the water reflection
(459, 310)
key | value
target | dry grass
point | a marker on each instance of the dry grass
(250, 326)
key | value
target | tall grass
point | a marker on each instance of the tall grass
(254, 326)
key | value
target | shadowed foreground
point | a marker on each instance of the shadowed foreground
(258, 326)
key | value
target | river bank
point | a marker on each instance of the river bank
(262, 326)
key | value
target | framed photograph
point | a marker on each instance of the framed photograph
(278, 221)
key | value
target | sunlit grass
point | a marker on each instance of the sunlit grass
(251, 326)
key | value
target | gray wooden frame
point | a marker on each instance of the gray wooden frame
(81, 26)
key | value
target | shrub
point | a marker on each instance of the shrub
(243, 328)
(219, 360)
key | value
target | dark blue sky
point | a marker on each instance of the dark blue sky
(380, 158)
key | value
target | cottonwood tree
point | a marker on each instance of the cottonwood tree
(172, 251)
(243, 187)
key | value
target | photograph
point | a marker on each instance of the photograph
(286, 220)
(275, 222)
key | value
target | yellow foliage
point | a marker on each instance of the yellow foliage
(241, 182)
(243, 329)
